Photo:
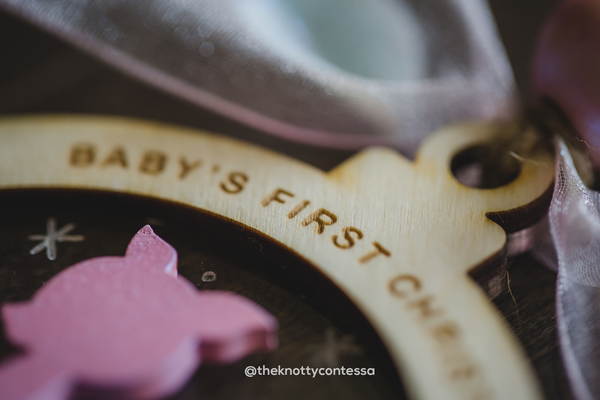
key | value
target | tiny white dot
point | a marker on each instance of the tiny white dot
(209, 276)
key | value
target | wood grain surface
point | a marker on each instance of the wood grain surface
(397, 237)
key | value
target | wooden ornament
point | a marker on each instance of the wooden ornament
(402, 239)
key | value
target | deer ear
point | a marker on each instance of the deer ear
(149, 250)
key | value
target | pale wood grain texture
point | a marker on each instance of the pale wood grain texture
(420, 230)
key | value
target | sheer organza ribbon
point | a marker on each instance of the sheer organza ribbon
(572, 247)
(262, 62)
(345, 74)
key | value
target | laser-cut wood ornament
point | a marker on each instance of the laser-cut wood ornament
(400, 238)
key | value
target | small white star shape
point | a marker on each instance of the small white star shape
(48, 241)
(330, 352)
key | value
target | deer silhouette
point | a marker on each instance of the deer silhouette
(128, 327)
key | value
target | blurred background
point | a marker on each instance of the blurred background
(39, 73)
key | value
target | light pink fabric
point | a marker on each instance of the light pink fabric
(566, 67)
(308, 99)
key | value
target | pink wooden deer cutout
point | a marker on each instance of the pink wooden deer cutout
(126, 325)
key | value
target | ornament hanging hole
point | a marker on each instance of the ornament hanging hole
(472, 167)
